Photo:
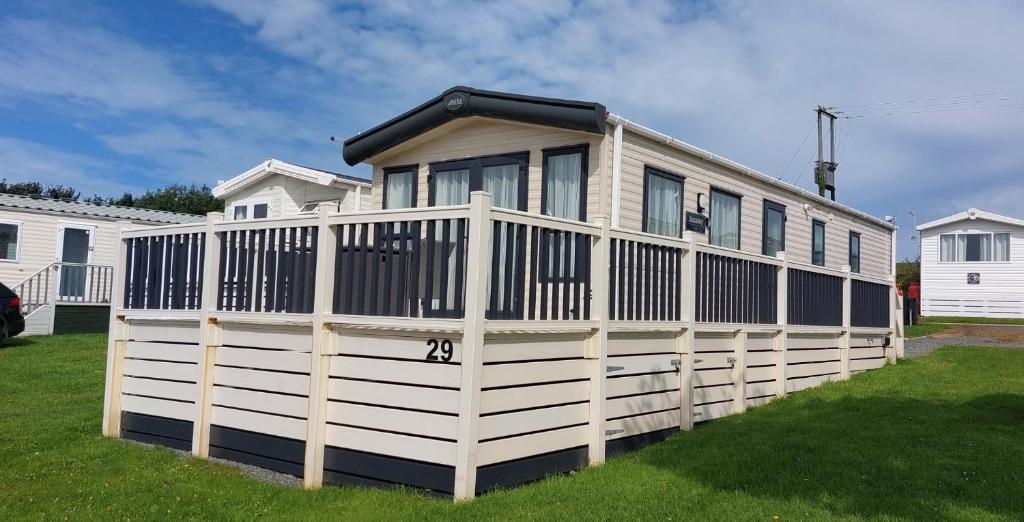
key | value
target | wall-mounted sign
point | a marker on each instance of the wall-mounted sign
(973, 278)
(696, 222)
(454, 101)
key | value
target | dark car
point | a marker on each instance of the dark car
(11, 321)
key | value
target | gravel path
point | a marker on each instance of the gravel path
(925, 345)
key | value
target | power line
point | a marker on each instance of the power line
(842, 146)
(798, 149)
(929, 99)
(943, 104)
(804, 170)
(933, 110)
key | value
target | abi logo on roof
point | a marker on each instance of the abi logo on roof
(454, 101)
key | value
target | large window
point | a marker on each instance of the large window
(818, 243)
(504, 177)
(725, 219)
(855, 252)
(10, 238)
(773, 235)
(564, 193)
(972, 248)
(663, 203)
(400, 187)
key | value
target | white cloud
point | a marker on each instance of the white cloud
(29, 161)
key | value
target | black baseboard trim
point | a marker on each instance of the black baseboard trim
(388, 470)
(151, 429)
(529, 469)
(635, 442)
(279, 454)
(344, 479)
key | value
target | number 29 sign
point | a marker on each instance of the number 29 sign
(440, 350)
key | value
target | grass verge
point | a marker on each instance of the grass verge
(921, 330)
(935, 438)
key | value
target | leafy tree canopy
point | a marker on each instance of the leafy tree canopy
(187, 199)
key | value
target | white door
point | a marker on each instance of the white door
(74, 250)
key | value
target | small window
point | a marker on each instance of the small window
(725, 219)
(400, 187)
(564, 193)
(774, 229)
(503, 176)
(1001, 247)
(818, 243)
(260, 210)
(663, 203)
(855, 252)
(241, 212)
(947, 248)
(10, 235)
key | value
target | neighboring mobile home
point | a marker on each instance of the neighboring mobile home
(56, 251)
(275, 189)
(539, 284)
(972, 265)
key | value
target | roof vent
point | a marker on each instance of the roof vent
(972, 213)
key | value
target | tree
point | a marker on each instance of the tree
(191, 199)
(35, 188)
(908, 272)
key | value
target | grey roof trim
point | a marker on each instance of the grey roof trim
(463, 102)
(57, 206)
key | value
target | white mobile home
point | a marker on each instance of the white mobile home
(58, 255)
(972, 265)
(538, 284)
(275, 189)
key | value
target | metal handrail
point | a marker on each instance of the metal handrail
(82, 283)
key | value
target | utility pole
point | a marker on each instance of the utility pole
(825, 171)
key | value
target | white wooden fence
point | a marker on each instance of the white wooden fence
(461, 349)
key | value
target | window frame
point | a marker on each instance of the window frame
(739, 220)
(769, 205)
(250, 208)
(20, 225)
(849, 252)
(992, 252)
(400, 169)
(824, 233)
(476, 165)
(584, 151)
(671, 176)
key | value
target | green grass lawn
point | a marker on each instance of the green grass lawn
(935, 438)
(971, 320)
(920, 330)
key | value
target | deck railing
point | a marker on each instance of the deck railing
(463, 340)
(65, 283)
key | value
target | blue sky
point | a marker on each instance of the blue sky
(112, 96)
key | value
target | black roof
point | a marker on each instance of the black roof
(463, 102)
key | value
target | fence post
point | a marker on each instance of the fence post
(320, 360)
(686, 340)
(117, 336)
(844, 337)
(473, 344)
(209, 337)
(739, 372)
(53, 293)
(896, 346)
(781, 336)
(898, 321)
(597, 347)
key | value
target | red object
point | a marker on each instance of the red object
(15, 302)
(914, 291)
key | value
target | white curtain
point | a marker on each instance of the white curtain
(502, 181)
(451, 187)
(961, 247)
(725, 220)
(985, 245)
(564, 181)
(1002, 247)
(399, 189)
(947, 248)
(664, 206)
